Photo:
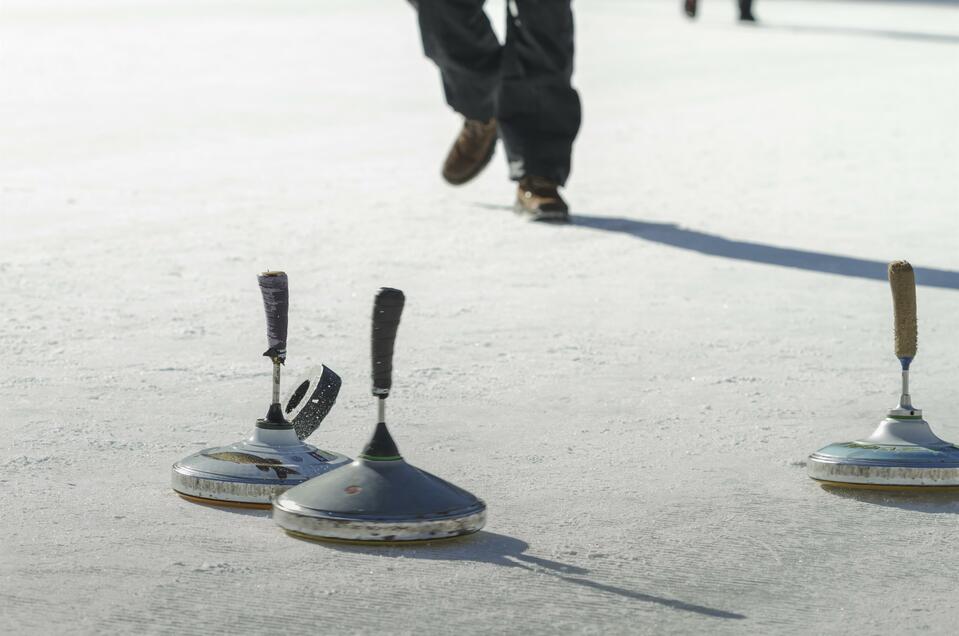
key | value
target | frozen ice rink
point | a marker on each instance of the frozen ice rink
(633, 395)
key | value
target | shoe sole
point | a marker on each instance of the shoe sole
(541, 216)
(479, 168)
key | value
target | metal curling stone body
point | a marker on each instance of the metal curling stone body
(373, 500)
(253, 471)
(902, 453)
(379, 497)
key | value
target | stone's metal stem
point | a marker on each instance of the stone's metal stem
(276, 381)
(381, 410)
(905, 400)
(905, 408)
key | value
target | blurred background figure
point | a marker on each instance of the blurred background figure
(745, 9)
(520, 91)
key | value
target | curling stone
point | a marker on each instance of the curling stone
(903, 453)
(379, 497)
(250, 473)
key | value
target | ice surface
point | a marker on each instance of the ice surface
(634, 395)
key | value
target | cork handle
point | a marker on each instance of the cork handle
(902, 280)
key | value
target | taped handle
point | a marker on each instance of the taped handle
(276, 300)
(387, 308)
(902, 280)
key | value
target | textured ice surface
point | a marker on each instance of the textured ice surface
(634, 396)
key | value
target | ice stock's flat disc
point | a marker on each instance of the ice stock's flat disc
(379, 501)
(889, 467)
(253, 471)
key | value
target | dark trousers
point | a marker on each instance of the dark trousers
(524, 83)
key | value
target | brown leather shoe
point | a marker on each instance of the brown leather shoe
(539, 199)
(471, 151)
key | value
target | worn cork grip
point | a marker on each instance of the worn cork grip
(902, 279)
(387, 308)
(276, 300)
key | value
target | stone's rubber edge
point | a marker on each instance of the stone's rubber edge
(222, 503)
(385, 544)
(379, 531)
(885, 487)
(230, 493)
(850, 474)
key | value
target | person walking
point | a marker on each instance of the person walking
(519, 91)
(745, 9)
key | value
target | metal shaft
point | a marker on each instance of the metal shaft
(905, 399)
(381, 410)
(276, 381)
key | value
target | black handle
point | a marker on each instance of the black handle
(276, 300)
(387, 308)
(312, 401)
